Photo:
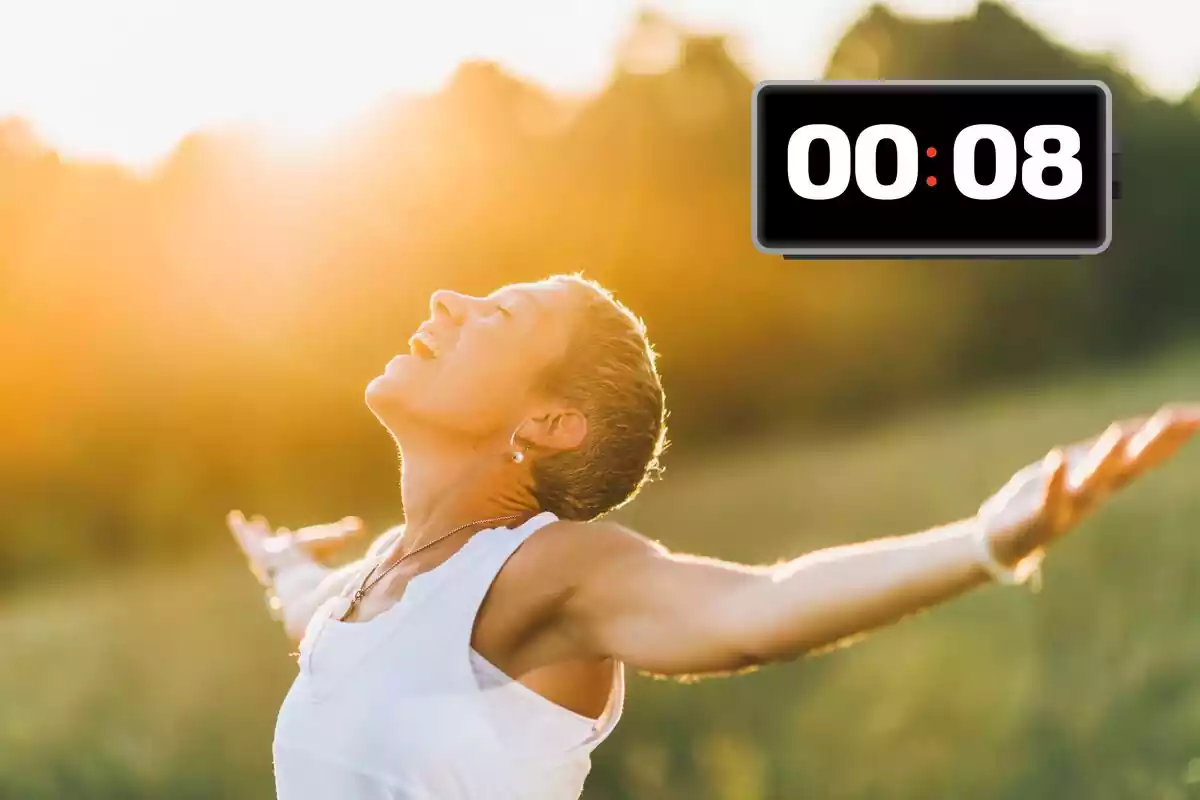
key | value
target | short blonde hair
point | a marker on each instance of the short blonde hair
(609, 373)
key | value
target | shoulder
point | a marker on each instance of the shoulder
(589, 540)
(525, 618)
(563, 554)
(559, 566)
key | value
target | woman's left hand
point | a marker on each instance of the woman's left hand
(1048, 498)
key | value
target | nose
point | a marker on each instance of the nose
(445, 303)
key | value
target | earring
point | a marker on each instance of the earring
(518, 454)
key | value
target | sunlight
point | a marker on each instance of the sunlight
(310, 127)
(311, 121)
(127, 79)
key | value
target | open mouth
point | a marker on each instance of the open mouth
(421, 346)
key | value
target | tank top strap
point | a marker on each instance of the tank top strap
(490, 551)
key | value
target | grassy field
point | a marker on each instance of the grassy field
(165, 684)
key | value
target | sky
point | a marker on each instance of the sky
(126, 79)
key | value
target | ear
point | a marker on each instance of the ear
(555, 430)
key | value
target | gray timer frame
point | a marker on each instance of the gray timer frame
(951, 251)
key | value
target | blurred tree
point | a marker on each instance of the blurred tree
(200, 336)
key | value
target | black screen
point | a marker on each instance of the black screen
(930, 218)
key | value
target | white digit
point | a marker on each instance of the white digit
(1034, 168)
(839, 162)
(964, 162)
(906, 162)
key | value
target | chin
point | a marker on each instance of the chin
(386, 392)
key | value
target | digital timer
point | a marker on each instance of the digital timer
(866, 172)
(955, 168)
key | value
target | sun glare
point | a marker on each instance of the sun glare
(309, 128)
(310, 124)
(127, 79)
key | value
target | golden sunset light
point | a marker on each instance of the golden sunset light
(418, 399)
(126, 79)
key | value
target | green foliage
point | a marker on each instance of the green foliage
(183, 342)
(199, 337)
(165, 683)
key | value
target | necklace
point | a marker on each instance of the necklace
(368, 584)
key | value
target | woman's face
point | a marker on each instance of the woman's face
(471, 369)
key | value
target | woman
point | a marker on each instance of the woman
(479, 650)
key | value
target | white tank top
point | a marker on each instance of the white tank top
(401, 706)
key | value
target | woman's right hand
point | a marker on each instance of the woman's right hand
(269, 550)
(326, 538)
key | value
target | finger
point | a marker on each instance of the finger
(1128, 424)
(1104, 467)
(250, 534)
(1183, 419)
(245, 540)
(1080, 456)
(1100, 474)
(1084, 468)
(1057, 502)
(1184, 411)
(259, 527)
(1148, 434)
(1159, 440)
(346, 526)
(331, 531)
(237, 525)
(321, 540)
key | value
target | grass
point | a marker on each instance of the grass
(164, 684)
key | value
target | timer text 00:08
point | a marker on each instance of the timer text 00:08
(908, 158)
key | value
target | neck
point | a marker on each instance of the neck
(445, 486)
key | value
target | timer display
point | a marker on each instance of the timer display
(950, 168)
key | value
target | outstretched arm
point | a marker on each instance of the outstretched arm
(675, 614)
(283, 561)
